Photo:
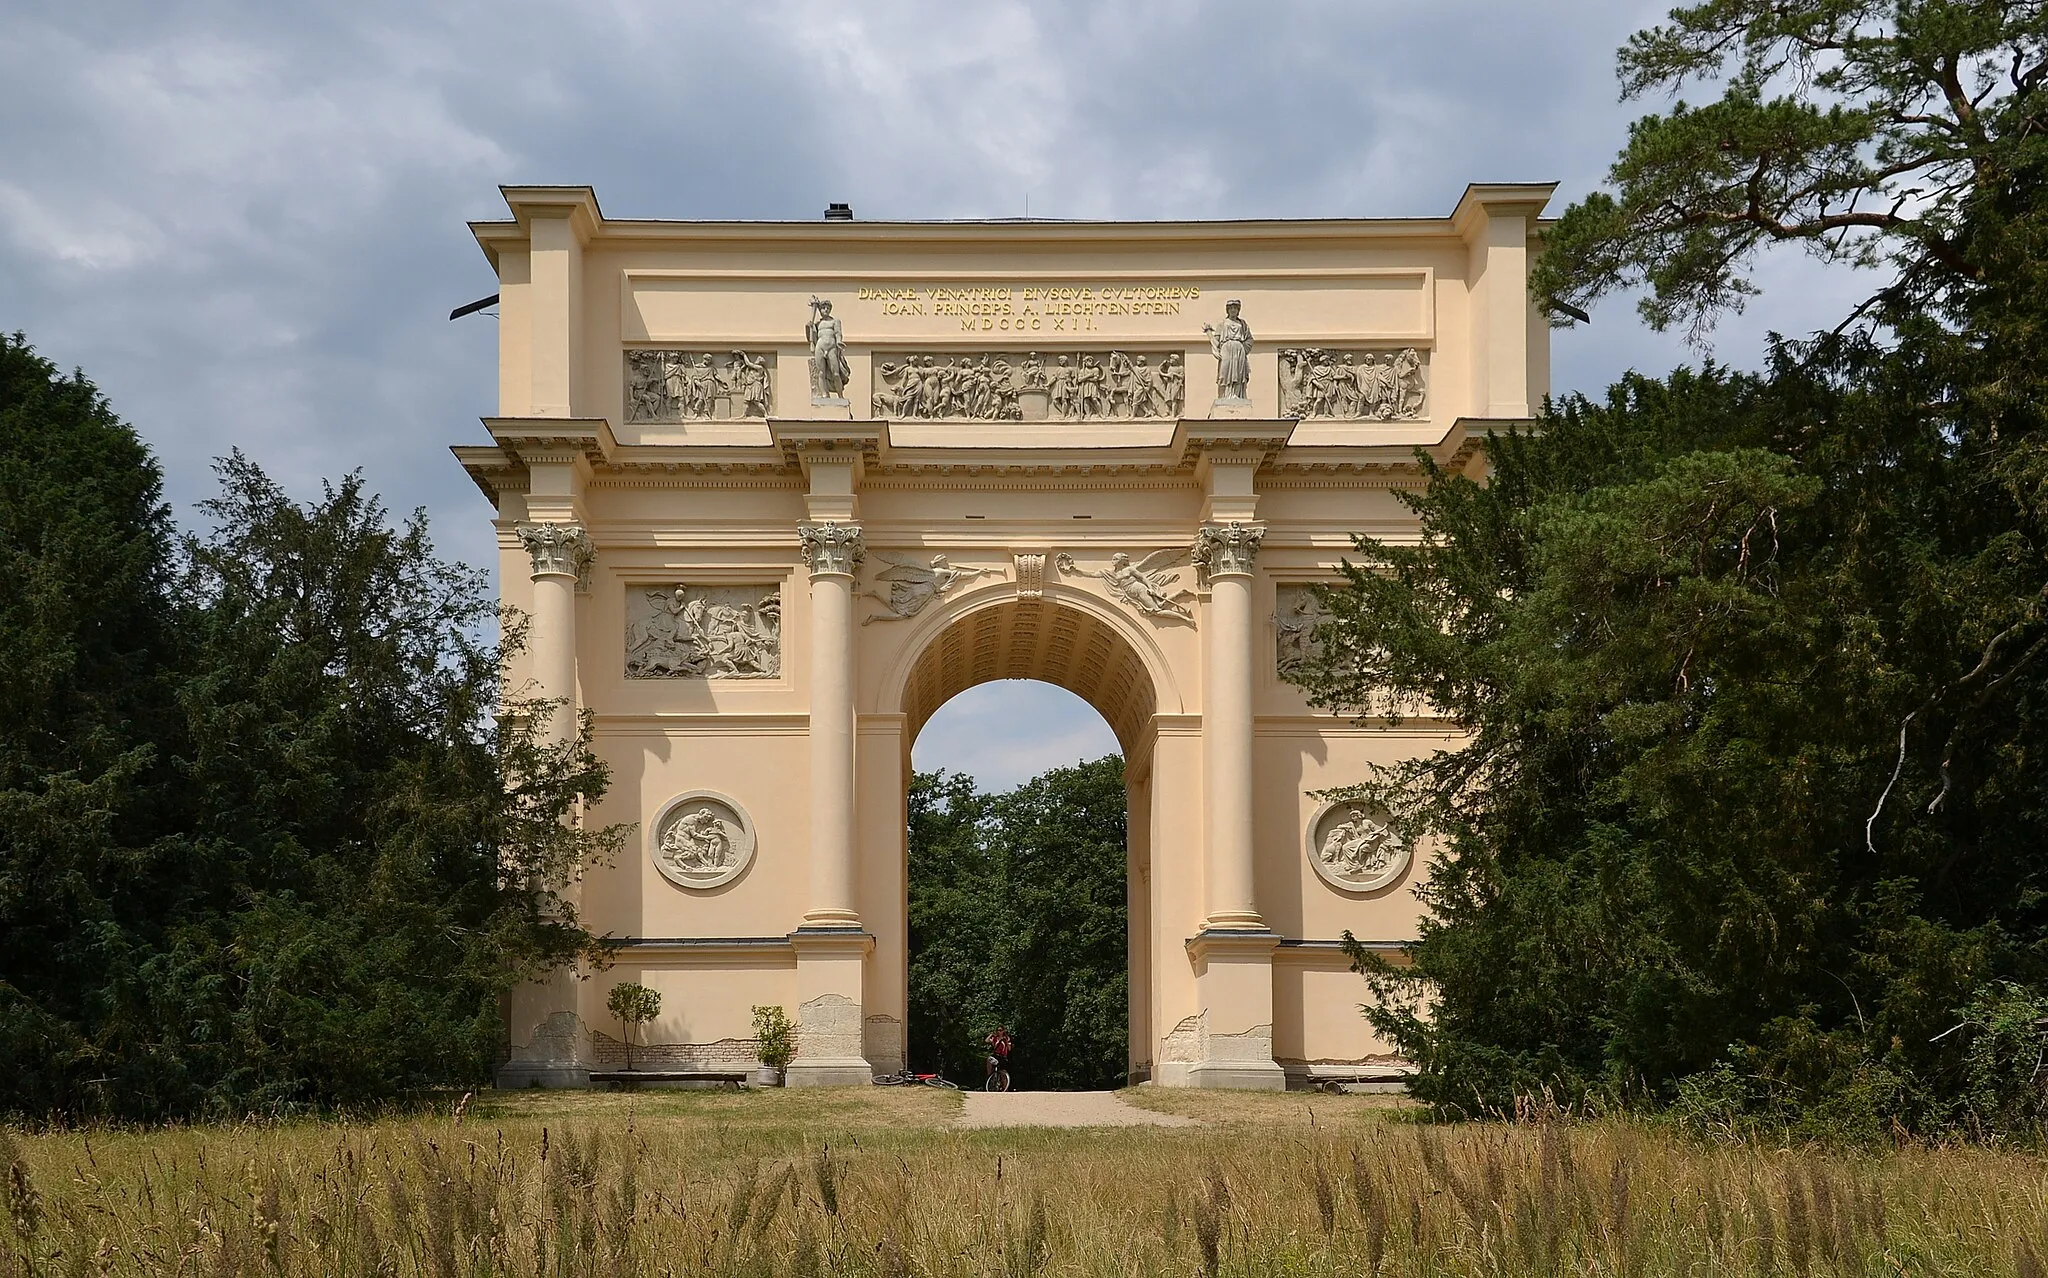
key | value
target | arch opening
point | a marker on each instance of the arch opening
(1035, 639)
(1032, 903)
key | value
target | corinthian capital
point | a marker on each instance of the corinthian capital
(1224, 549)
(558, 550)
(831, 548)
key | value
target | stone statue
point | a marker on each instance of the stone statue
(1232, 343)
(1358, 846)
(1143, 585)
(829, 371)
(913, 585)
(715, 633)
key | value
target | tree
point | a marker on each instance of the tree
(634, 1005)
(87, 700)
(1866, 131)
(1748, 811)
(776, 1034)
(1017, 918)
(270, 837)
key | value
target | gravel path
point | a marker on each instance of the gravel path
(1060, 1109)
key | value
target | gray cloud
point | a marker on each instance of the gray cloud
(246, 220)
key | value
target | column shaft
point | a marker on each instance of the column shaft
(1227, 747)
(552, 637)
(832, 817)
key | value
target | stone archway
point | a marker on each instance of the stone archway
(1071, 643)
(698, 470)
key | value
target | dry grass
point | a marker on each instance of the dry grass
(874, 1183)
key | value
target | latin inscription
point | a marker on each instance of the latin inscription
(1029, 308)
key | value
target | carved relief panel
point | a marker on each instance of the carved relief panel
(1031, 387)
(701, 839)
(680, 386)
(704, 632)
(1354, 847)
(1369, 386)
(1295, 617)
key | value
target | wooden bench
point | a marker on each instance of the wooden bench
(631, 1078)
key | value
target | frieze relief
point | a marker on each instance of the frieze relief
(1372, 386)
(684, 386)
(1031, 387)
(704, 632)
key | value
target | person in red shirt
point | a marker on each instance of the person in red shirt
(998, 1060)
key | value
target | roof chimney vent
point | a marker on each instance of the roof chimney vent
(838, 212)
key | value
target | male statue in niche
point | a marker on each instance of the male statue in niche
(1232, 343)
(829, 371)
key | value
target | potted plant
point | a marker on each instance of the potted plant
(635, 1005)
(777, 1034)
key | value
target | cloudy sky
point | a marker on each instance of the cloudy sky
(245, 221)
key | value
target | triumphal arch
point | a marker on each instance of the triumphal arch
(770, 493)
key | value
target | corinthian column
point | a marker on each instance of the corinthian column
(560, 552)
(1226, 551)
(544, 1012)
(832, 551)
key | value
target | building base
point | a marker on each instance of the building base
(829, 1073)
(514, 1075)
(1243, 1076)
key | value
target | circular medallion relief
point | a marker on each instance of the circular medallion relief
(701, 839)
(1354, 847)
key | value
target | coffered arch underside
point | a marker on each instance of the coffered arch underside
(1058, 641)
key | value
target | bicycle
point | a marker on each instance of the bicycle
(998, 1080)
(909, 1078)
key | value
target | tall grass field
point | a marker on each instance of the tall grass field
(879, 1183)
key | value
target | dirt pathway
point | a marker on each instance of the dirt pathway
(1059, 1109)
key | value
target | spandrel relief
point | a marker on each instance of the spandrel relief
(1297, 613)
(686, 386)
(1061, 386)
(704, 632)
(1368, 386)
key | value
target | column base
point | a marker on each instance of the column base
(830, 1024)
(1234, 921)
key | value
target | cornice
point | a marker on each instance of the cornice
(525, 202)
(529, 438)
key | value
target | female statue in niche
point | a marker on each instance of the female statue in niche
(1232, 342)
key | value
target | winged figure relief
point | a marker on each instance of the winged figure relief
(909, 586)
(1145, 585)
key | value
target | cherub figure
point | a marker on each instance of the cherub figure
(912, 585)
(1144, 585)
